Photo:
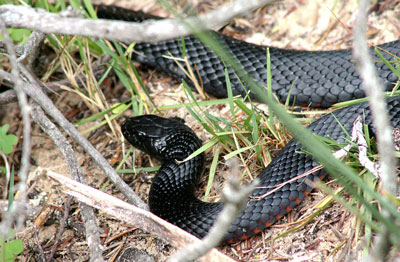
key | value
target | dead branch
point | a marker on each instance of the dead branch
(148, 31)
(87, 212)
(17, 212)
(374, 89)
(135, 216)
(32, 88)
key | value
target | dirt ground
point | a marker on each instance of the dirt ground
(330, 236)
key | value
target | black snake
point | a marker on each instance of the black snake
(317, 78)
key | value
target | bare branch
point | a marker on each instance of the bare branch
(89, 218)
(32, 88)
(374, 89)
(357, 135)
(137, 217)
(67, 207)
(17, 211)
(28, 48)
(31, 47)
(10, 96)
(148, 31)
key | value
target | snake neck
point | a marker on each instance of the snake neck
(175, 181)
(172, 197)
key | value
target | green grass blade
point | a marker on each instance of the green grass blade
(211, 175)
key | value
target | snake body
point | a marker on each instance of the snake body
(172, 192)
(307, 78)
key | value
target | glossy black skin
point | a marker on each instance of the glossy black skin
(315, 78)
(157, 137)
(171, 195)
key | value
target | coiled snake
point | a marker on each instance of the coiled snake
(315, 79)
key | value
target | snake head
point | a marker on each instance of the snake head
(162, 138)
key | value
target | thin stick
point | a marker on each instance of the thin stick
(135, 216)
(87, 212)
(10, 96)
(32, 87)
(67, 207)
(17, 211)
(148, 31)
(374, 90)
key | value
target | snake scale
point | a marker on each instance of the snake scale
(316, 78)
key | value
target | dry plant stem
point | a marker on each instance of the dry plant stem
(235, 197)
(47, 105)
(8, 173)
(87, 212)
(67, 207)
(396, 138)
(9, 96)
(357, 132)
(148, 31)
(374, 90)
(137, 217)
(29, 48)
(39, 246)
(32, 88)
(6, 76)
(17, 211)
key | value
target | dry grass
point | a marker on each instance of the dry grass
(306, 24)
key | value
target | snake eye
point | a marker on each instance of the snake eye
(156, 135)
(149, 132)
(129, 130)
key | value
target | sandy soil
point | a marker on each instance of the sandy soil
(330, 236)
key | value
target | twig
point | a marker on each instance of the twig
(235, 197)
(374, 89)
(28, 48)
(31, 210)
(67, 207)
(135, 216)
(7, 76)
(373, 167)
(32, 88)
(8, 174)
(396, 138)
(10, 96)
(41, 251)
(87, 212)
(17, 211)
(31, 47)
(357, 136)
(148, 31)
